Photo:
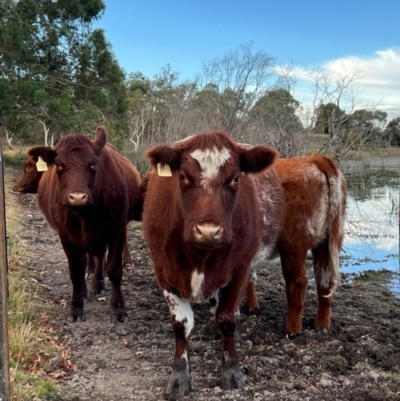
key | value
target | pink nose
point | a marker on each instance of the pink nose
(207, 233)
(78, 198)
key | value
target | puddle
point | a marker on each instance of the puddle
(372, 230)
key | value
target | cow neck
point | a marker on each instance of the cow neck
(192, 257)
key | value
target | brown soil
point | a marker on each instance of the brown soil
(358, 358)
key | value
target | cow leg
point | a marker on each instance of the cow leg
(295, 275)
(114, 272)
(127, 254)
(98, 285)
(251, 296)
(225, 318)
(76, 263)
(323, 279)
(182, 323)
(91, 265)
(213, 300)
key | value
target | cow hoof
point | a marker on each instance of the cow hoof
(80, 317)
(178, 386)
(254, 312)
(121, 317)
(98, 291)
(232, 377)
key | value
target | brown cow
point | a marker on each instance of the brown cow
(205, 225)
(28, 183)
(315, 213)
(88, 198)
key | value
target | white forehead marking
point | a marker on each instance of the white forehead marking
(211, 160)
(181, 310)
(197, 286)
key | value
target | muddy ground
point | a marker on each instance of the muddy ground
(357, 359)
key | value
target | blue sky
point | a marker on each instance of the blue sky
(340, 37)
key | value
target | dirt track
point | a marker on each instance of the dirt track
(357, 359)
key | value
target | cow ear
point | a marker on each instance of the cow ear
(46, 153)
(163, 154)
(101, 137)
(257, 159)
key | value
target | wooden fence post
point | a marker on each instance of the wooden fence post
(4, 353)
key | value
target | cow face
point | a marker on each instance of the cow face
(76, 160)
(207, 170)
(28, 182)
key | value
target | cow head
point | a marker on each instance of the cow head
(207, 170)
(28, 182)
(75, 158)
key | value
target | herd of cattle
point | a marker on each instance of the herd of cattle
(212, 209)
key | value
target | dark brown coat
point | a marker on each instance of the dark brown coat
(88, 197)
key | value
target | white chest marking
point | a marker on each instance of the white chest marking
(196, 284)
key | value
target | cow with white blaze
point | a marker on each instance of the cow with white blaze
(211, 206)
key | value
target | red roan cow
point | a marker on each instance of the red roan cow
(205, 225)
(88, 198)
(315, 211)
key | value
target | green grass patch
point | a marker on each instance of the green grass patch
(36, 358)
(15, 158)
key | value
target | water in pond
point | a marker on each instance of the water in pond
(372, 230)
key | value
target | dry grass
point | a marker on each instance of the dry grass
(32, 351)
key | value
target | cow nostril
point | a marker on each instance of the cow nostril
(78, 198)
(208, 232)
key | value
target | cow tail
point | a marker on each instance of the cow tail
(337, 217)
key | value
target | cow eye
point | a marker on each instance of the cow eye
(235, 180)
(59, 168)
(93, 167)
(182, 177)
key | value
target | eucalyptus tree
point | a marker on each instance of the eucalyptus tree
(392, 131)
(55, 69)
(276, 123)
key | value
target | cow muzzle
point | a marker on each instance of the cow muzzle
(77, 198)
(207, 234)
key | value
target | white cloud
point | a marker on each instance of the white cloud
(378, 85)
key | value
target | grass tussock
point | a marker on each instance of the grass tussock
(15, 157)
(37, 360)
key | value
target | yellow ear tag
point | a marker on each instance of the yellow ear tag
(164, 170)
(41, 165)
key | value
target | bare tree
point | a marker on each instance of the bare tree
(343, 93)
(9, 138)
(137, 123)
(231, 85)
(46, 135)
(274, 117)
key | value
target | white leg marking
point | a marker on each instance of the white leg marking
(215, 297)
(181, 310)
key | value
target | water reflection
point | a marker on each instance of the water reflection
(372, 229)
